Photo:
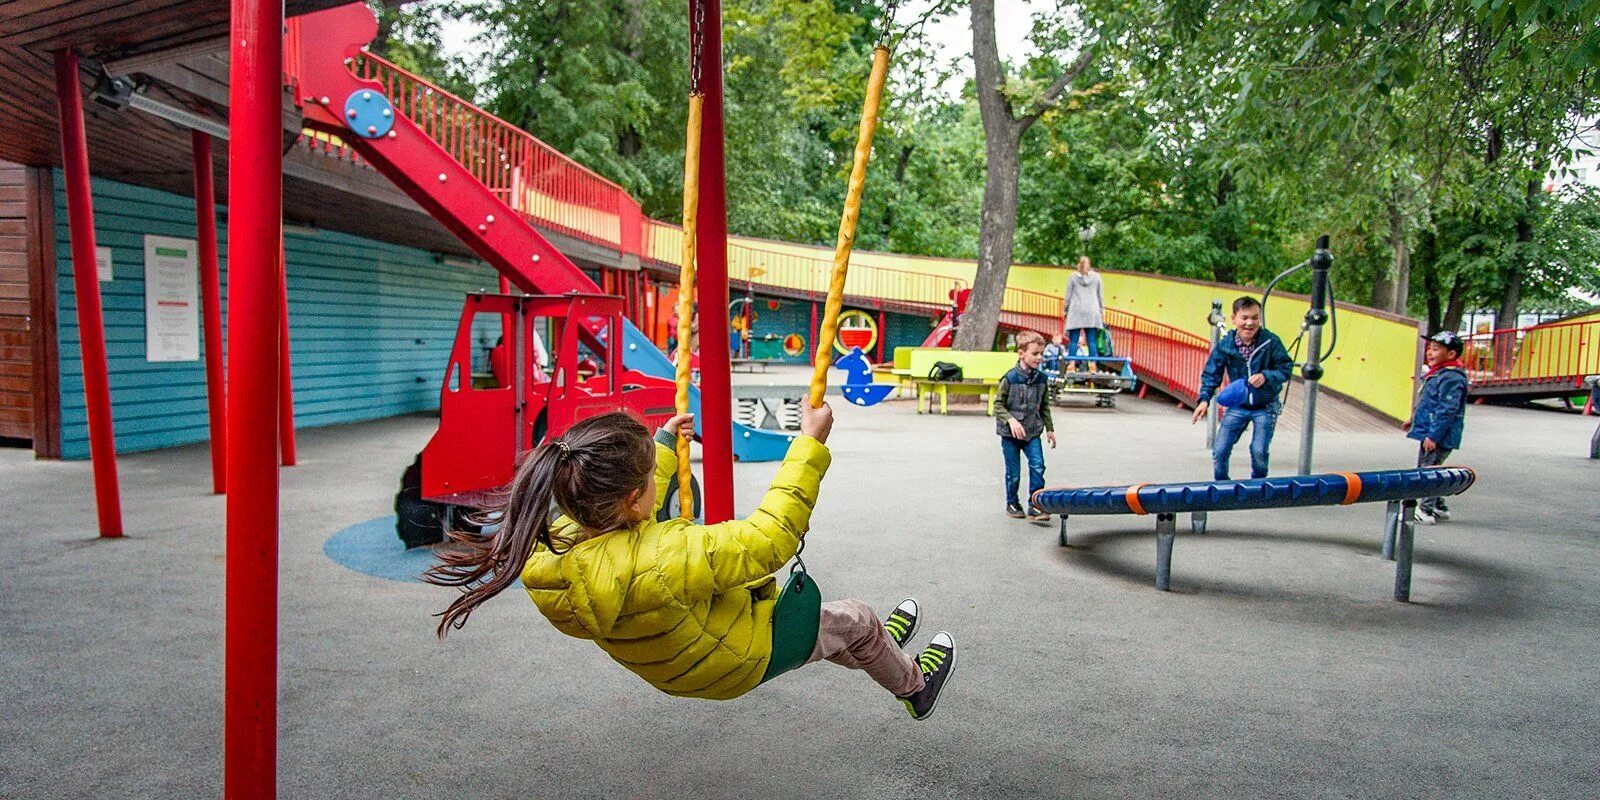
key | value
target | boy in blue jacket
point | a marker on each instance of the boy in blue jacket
(1440, 414)
(1255, 355)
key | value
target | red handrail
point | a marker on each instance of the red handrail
(1171, 358)
(1549, 353)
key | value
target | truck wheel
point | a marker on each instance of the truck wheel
(417, 521)
(671, 508)
(420, 522)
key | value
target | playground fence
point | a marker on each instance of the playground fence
(1168, 357)
(1553, 353)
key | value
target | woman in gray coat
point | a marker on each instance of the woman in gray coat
(1084, 309)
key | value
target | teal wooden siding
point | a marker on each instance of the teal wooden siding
(371, 326)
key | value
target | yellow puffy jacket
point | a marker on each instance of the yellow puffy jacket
(686, 607)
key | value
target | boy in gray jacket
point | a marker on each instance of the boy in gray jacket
(1021, 414)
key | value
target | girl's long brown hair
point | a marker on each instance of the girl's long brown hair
(587, 474)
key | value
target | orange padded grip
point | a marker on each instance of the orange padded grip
(1132, 497)
(1352, 487)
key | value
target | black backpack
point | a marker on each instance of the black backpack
(944, 371)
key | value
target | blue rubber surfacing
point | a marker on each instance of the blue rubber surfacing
(373, 548)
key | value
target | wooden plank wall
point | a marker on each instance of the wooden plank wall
(16, 342)
(371, 326)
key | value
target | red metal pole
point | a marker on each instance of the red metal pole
(883, 333)
(255, 202)
(286, 448)
(205, 223)
(86, 285)
(716, 390)
(811, 349)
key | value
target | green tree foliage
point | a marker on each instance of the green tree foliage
(1209, 138)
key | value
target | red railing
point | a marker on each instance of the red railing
(1562, 352)
(1029, 310)
(533, 178)
(1170, 358)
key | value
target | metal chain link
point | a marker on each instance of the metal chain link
(697, 45)
(888, 23)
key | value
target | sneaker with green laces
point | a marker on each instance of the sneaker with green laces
(902, 622)
(936, 662)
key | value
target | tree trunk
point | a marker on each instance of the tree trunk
(1430, 280)
(1456, 306)
(1002, 135)
(999, 221)
(1512, 296)
(1392, 289)
(1226, 271)
(996, 236)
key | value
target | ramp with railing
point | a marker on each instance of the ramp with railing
(1533, 362)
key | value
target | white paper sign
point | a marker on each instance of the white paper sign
(171, 299)
(102, 262)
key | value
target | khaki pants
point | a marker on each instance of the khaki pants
(850, 635)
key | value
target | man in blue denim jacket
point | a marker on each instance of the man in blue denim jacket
(1256, 356)
(1440, 414)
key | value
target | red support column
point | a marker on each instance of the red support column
(205, 223)
(86, 285)
(255, 203)
(883, 333)
(716, 390)
(812, 339)
(286, 454)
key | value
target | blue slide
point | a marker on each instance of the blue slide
(749, 444)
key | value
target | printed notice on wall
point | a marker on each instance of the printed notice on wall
(102, 262)
(171, 299)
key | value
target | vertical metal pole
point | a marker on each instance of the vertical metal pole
(1166, 531)
(205, 224)
(1197, 522)
(812, 355)
(883, 333)
(1402, 560)
(255, 202)
(716, 391)
(86, 287)
(1213, 414)
(1062, 540)
(1316, 317)
(286, 448)
(1391, 526)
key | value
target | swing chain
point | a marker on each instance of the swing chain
(697, 45)
(888, 23)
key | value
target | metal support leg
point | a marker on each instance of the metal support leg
(1402, 560)
(1166, 530)
(1391, 523)
(1063, 530)
(1197, 521)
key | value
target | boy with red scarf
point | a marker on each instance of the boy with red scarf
(1440, 413)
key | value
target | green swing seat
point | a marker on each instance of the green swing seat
(795, 620)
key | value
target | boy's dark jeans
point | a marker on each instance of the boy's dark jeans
(1433, 459)
(1262, 422)
(1011, 449)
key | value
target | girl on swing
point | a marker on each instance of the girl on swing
(688, 608)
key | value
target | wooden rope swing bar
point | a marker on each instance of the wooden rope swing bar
(829, 327)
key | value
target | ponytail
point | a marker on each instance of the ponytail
(588, 474)
(487, 563)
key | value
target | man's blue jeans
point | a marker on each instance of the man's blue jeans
(1231, 428)
(1011, 448)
